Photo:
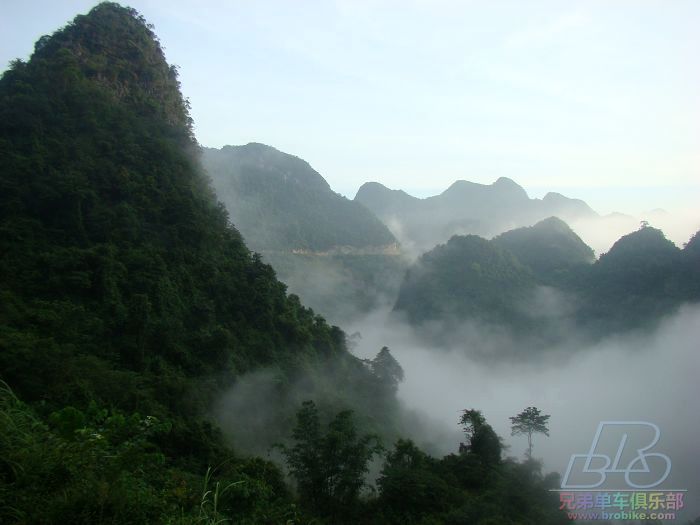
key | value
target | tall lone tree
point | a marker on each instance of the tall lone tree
(528, 422)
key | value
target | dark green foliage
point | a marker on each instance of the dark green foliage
(103, 466)
(641, 279)
(638, 281)
(329, 466)
(687, 279)
(483, 441)
(279, 202)
(412, 486)
(469, 277)
(387, 369)
(128, 304)
(465, 488)
(549, 248)
(122, 283)
(121, 279)
(260, 410)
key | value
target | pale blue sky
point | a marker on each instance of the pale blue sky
(595, 99)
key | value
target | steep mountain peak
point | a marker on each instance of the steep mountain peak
(108, 229)
(115, 47)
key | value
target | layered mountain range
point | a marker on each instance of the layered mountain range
(465, 208)
(543, 285)
(139, 333)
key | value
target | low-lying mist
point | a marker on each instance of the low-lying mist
(649, 376)
(646, 377)
(599, 232)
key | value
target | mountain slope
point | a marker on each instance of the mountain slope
(550, 248)
(122, 282)
(129, 304)
(545, 284)
(280, 203)
(467, 278)
(332, 252)
(634, 284)
(465, 207)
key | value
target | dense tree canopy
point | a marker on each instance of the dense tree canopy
(457, 280)
(642, 278)
(129, 303)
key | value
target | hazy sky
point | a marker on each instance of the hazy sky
(595, 99)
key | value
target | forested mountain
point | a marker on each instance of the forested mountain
(279, 202)
(643, 277)
(333, 252)
(465, 208)
(469, 277)
(505, 281)
(108, 222)
(130, 304)
(124, 288)
(550, 248)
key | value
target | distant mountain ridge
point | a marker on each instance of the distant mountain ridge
(333, 252)
(536, 281)
(279, 202)
(465, 207)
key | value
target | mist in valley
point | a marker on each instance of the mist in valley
(193, 332)
(644, 377)
(648, 374)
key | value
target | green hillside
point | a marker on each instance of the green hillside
(130, 308)
(638, 281)
(550, 248)
(119, 269)
(279, 202)
(126, 294)
(469, 277)
(542, 281)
